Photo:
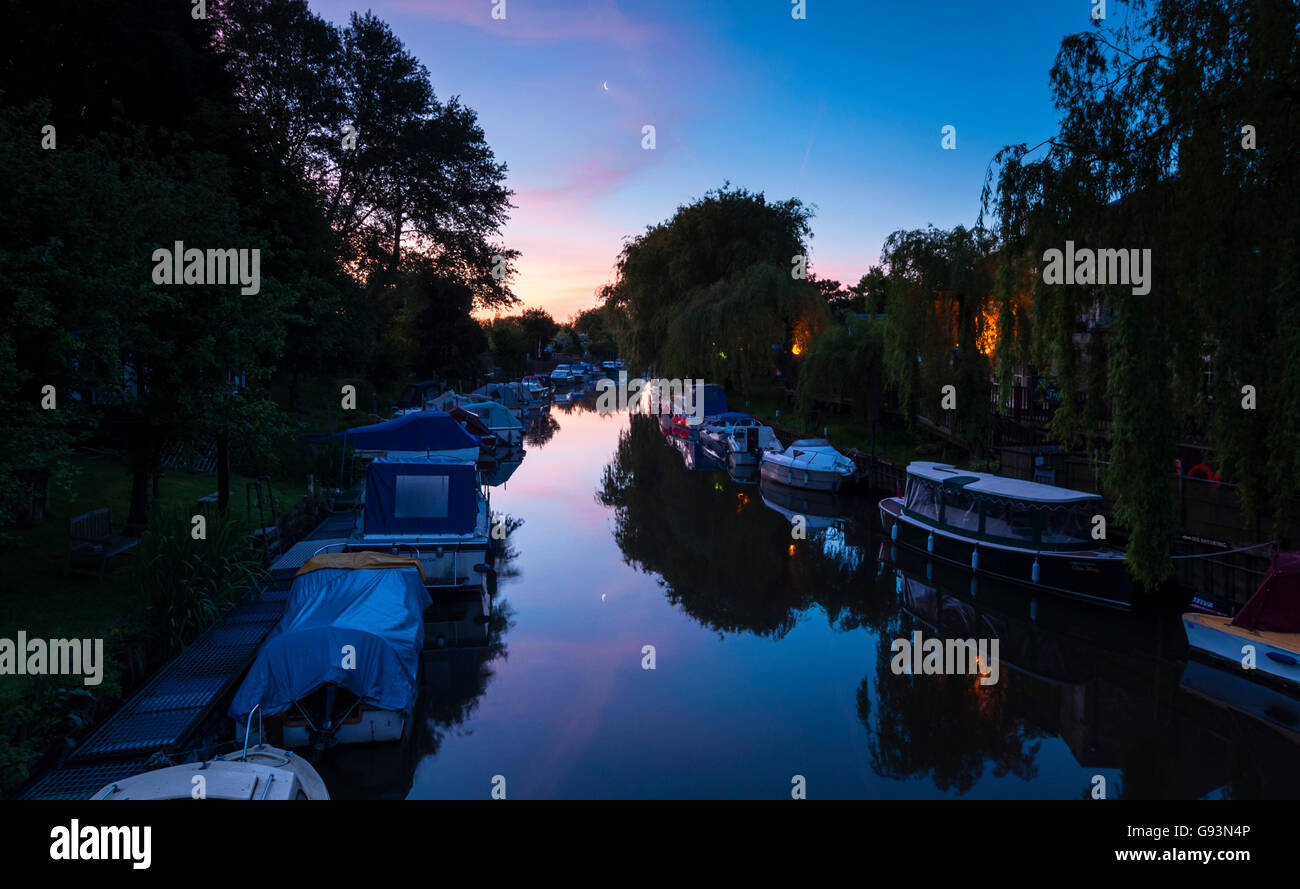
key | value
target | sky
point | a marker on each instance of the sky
(843, 109)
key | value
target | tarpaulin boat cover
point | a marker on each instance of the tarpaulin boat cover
(495, 415)
(380, 613)
(499, 392)
(1276, 604)
(715, 400)
(421, 495)
(418, 431)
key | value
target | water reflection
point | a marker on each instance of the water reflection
(773, 658)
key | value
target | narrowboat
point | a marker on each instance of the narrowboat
(1265, 633)
(1028, 533)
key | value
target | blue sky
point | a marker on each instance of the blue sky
(843, 110)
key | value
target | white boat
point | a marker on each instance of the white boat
(538, 387)
(809, 463)
(1266, 632)
(737, 439)
(256, 773)
(499, 420)
(562, 375)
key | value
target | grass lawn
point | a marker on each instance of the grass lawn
(38, 598)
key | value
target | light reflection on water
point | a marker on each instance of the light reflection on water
(772, 659)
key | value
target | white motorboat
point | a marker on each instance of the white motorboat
(256, 773)
(809, 463)
(562, 375)
(1264, 638)
(737, 439)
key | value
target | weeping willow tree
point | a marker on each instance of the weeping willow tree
(726, 331)
(715, 280)
(938, 287)
(845, 361)
(1179, 134)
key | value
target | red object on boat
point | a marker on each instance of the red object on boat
(1205, 472)
(474, 425)
(1276, 604)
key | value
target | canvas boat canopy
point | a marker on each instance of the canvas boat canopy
(501, 392)
(421, 496)
(380, 613)
(1275, 607)
(415, 433)
(494, 414)
(991, 485)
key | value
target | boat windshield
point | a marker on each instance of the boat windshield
(1068, 524)
(923, 498)
(1003, 518)
(961, 511)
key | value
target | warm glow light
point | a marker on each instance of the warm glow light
(986, 340)
(792, 549)
(801, 335)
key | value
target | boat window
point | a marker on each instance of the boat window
(961, 510)
(1004, 519)
(421, 496)
(1070, 524)
(923, 498)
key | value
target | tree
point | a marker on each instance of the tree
(1179, 130)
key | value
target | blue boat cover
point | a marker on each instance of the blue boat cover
(732, 417)
(715, 400)
(379, 613)
(418, 431)
(421, 495)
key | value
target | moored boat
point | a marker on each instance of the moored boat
(737, 439)
(341, 666)
(1025, 532)
(433, 433)
(1266, 632)
(262, 772)
(499, 420)
(810, 463)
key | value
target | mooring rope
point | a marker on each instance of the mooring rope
(1226, 552)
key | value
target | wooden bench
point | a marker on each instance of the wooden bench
(90, 536)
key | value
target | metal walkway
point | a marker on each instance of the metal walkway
(166, 711)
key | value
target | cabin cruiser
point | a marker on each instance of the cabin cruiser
(1025, 532)
(431, 509)
(499, 420)
(562, 375)
(417, 434)
(539, 386)
(415, 396)
(1268, 624)
(341, 666)
(504, 394)
(809, 463)
(261, 772)
(737, 439)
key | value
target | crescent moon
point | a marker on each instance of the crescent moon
(606, 85)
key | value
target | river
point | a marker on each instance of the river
(771, 660)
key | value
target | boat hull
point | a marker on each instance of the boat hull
(1103, 579)
(808, 479)
(1277, 655)
(369, 726)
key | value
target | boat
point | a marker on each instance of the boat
(737, 439)
(499, 420)
(504, 394)
(1268, 626)
(687, 420)
(810, 463)
(475, 426)
(432, 509)
(415, 396)
(341, 666)
(419, 434)
(1029, 533)
(539, 386)
(262, 772)
(562, 375)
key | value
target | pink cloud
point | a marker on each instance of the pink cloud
(599, 21)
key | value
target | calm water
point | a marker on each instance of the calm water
(772, 660)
